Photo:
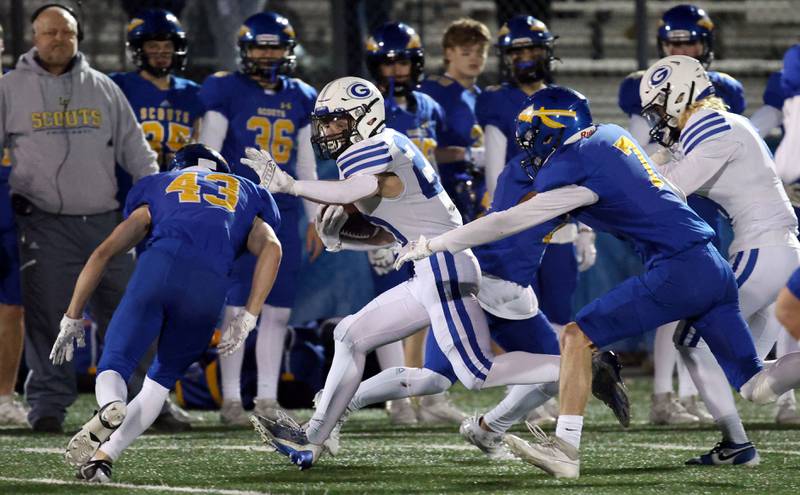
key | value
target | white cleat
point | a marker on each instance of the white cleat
(551, 454)
(489, 442)
(786, 413)
(12, 411)
(232, 413)
(401, 412)
(94, 433)
(758, 390)
(269, 408)
(438, 410)
(666, 410)
(540, 416)
(696, 408)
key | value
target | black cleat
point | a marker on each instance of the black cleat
(608, 387)
(98, 471)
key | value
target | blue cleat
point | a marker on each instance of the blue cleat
(288, 438)
(728, 453)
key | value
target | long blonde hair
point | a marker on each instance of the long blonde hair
(709, 102)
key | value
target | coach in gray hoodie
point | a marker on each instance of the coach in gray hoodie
(65, 125)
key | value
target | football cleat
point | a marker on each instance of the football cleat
(540, 416)
(401, 412)
(489, 442)
(696, 408)
(728, 453)
(786, 413)
(232, 413)
(666, 410)
(12, 411)
(608, 387)
(94, 433)
(437, 409)
(98, 471)
(288, 438)
(550, 454)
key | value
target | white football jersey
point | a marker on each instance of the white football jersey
(423, 208)
(721, 156)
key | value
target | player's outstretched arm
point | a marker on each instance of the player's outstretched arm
(499, 225)
(124, 237)
(264, 244)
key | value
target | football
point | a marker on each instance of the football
(356, 227)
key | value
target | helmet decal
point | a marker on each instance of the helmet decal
(358, 90)
(659, 75)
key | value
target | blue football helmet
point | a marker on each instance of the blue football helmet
(525, 31)
(551, 116)
(267, 29)
(687, 24)
(158, 25)
(195, 154)
(388, 43)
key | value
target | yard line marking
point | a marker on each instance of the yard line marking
(254, 448)
(129, 486)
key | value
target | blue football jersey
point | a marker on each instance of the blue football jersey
(167, 116)
(422, 121)
(461, 126)
(634, 201)
(726, 87)
(790, 81)
(773, 93)
(260, 118)
(516, 258)
(499, 106)
(211, 211)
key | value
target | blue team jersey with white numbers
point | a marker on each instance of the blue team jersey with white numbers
(499, 106)
(516, 258)
(421, 121)
(634, 201)
(167, 116)
(461, 126)
(260, 118)
(726, 87)
(212, 212)
(790, 80)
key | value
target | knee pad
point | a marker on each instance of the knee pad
(550, 389)
(342, 331)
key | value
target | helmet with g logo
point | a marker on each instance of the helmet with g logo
(348, 110)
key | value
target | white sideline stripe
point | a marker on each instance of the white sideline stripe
(55, 450)
(128, 486)
(669, 446)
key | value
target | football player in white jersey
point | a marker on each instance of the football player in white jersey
(391, 183)
(716, 154)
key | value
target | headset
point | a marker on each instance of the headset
(70, 11)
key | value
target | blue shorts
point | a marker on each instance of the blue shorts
(696, 285)
(556, 281)
(283, 291)
(174, 297)
(10, 291)
(534, 335)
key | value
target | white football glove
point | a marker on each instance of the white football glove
(585, 251)
(413, 251)
(382, 259)
(63, 348)
(329, 221)
(234, 335)
(272, 177)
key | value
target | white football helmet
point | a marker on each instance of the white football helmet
(352, 101)
(667, 89)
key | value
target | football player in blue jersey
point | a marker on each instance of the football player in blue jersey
(395, 59)
(262, 106)
(788, 307)
(197, 219)
(601, 175)
(12, 412)
(460, 151)
(683, 30)
(526, 48)
(167, 106)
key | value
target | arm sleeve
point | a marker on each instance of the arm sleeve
(131, 150)
(306, 166)
(766, 118)
(496, 143)
(695, 169)
(213, 129)
(339, 192)
(540, 208)
(787, 163)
